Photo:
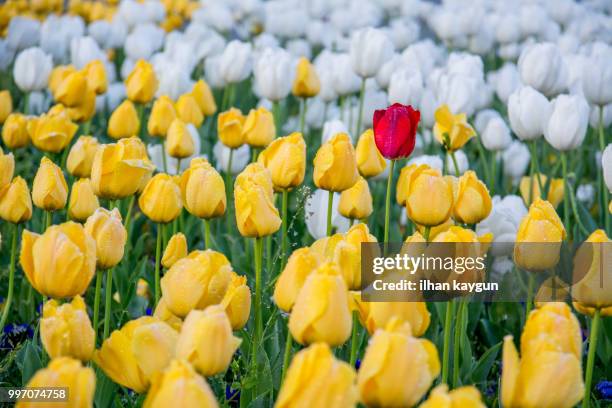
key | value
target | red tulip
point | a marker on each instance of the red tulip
(395, 130)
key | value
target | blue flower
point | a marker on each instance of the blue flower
(230, 394)
(604, 389)
(15, 334)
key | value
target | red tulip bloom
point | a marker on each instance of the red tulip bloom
(395, 130)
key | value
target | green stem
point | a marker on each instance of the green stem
(164, 156)
(11, 282)
(360, 112)
(303, 107)
(457, 341)
(388, 201)
(566, 203)
(591, 358)
(287, 353)
(26, 103)
(530, 286)
(455, 164)
(426, 233)
(276, 114)
(284, 229)
(158, 249)
(206, 225)
(535, 166)
(354, 339)
(107, 304)
(48, 219)
(330, 202)
(493, 173)
(446, 347)
(258, 289)
(228, 186)
(341, 107)
(128, 215)
(96, 311)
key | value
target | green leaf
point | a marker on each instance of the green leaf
(30, 361)
(105, 390)
(484, 365)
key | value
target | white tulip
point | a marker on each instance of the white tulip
(508, 29)
(515, 160)
(428, 105)
(503, 221)
(23, 32)
(143, 41)
(458, 91)
(542, 67)
(585, 193)
(299, 48)
(131, 12)
(315, 214)
(510, 51)
(115, 94)
(216, 15)
(403, 32)
(325, 65)
(370, 49)
(462, 163)
(597, 79)
(32, 69)
(507, 80)
(284, 19)
(274, 71)
(406, 87)
(204, 41)
(212, 72)
(58, 32)
(7, 54)
(240, 157)
(331, 128)
(568, 122)
(38, 103)
(174, 79)
(607, 116)
(373, 99)
(236, 62)
(387, 69)
(424, 54)
(154, 11)
(528, 112)
(606, 165)
(84, 50)
(433, 161)
(496, 135)
(346, 80)
(483, 117)
(533, 18)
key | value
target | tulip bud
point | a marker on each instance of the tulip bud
(16, 202)
(124, 121)
(31, 69)
(300, 264)
(321, 310)
(81, 156)
(256, 215)
(285, 158)
(53, 131)
(393, 354)
(395, 130)
(258, 129)
(181, 386)
(15, 131)
(466, 397)
(316, 378)
(71, 89)
(61, 262)
(6, 105)
(134, 354)
(370, 48)
(161, 199)
(356, 202)
(96, 76)
(83, 202)
(179, 143)
(162, 115)
(65, 373)
(528, 113)
(7, 168)
(110, 235)
(452, 131)
(176, 249)
(120, 169)
(204, 97)
(471, 197)
(65, 331)
(556, 189)
(370, 162)
(568, 122)
(49, 190)
(206, 340)
(376, 315)
(229, 128)
(237, 302)
(589, 261)
(496, 135)
(141, 84)
(203, 190)
(188, 110)
(199, 280)
(335, 164)
(306, 83)
(429, 196)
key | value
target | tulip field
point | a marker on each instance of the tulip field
(214, 203)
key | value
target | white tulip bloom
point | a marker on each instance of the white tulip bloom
(370, 49)
(503, 222)
(346, 80)
(607, 116)
(516, 159)
(236, 62)
(462, 163)
(597, 79)
(387, 69)
(315, 213)
(427, 106)
(274, 71)
(332, 128)
(585, 193)
(32, 69)
(212, 72)
(528, 112)
(568, 122)
(143, 41)
(496, 135)
(542, 67)
(406, 87)
(606, 165)
(23, 32)
(57, 33)
(433, 161)
(240, 157)
(507, 80)
(482, 119)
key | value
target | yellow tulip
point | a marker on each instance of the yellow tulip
(438, 229)
(110, 235)
(590, 311)
(591, 291)
(124, 121)
(164, 314)
(229, 128)
(120, 169)
(471, 197)
(161, 199)
(285, 158)
(429, 196)
(134, 354)
(58, 75)
(555, 189)
(402, 187)
(206, 340)
(204, 97)
(188, 110)
(370, 162)
(61, 262)
(49, 190)
(203, 190)
(181, 386)
(86, 109)
(96, 76)
(176, 250)
(237, 301)
(452, 131)
(15, 131)
(301, 263)
(464, 397)
(81, 156)
(64, 372)
(539, 237)
(199, 280)
(53, 131)
(397, 369)
(259, 129)
(335, 164)
(65, 331)
(321, 312)
(306, 83)
(83, 202)
(71, 89)
(16, 202)
(6, 105)
(179, 143)
(256, 215)
(7, 168)
(316, 378)
(356, 202)
(141, 84)
(162, 115)
(347, 254)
